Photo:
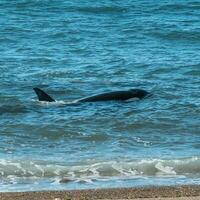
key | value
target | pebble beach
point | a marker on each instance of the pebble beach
(148, 193)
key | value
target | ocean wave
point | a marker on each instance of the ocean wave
(187, 167)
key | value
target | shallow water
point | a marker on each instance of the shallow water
(73, 49)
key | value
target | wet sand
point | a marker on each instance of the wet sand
(162, 193)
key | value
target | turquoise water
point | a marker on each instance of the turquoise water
(73, 49)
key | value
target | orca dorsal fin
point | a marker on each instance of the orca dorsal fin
(42, 96)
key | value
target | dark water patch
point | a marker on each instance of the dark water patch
(95, 137)
(65, 180)
(7, 41)
(194, 73)
(194, 4)
(54, 74)
(162, 71)
(8, 99)
(39, 60)
(178, 36)
(103, 10)
(14, 109)
(179, 7)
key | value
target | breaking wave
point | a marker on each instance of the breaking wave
(98, 170)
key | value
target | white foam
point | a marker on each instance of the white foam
(167, 170)
(95, 170)
(132, 99)
(46, 103)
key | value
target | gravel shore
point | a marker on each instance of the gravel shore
(162, 193)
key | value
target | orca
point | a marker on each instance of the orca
(121, 95)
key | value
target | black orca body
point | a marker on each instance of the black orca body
(108, 96)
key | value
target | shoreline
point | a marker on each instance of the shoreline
(157, 192)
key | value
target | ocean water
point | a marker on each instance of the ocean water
(73, 49)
